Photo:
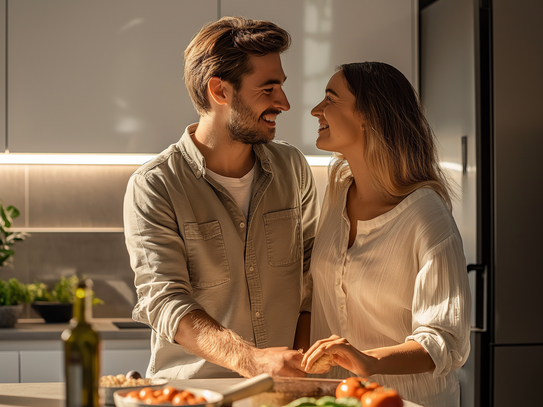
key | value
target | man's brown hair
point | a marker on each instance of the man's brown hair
(222, 48)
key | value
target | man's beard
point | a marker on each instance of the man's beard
(244, 125)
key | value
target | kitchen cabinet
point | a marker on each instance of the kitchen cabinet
(9, 373)
(100, 76)
(326, 34)
(3, 140)
(116, 361)
(41, 366)
(107, 77)
(41, 361)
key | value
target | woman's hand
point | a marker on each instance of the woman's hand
(343, 354)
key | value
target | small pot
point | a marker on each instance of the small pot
(9, 314)
(53, 312)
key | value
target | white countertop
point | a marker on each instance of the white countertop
(38, 329)
(52, 394)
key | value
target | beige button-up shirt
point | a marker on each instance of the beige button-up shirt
(192, 248)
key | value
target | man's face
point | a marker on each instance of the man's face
(258, 102)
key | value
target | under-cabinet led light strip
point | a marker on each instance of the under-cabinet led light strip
(105, 159)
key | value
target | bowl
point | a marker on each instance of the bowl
(212, 398)
(106, 393)
(53, 312)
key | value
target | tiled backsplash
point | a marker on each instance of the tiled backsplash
(74, 214)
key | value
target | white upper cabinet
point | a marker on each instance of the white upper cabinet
(328, 33)
(99, 76)
(3, 145)
(106, 76)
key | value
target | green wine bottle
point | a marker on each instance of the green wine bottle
(81, 353)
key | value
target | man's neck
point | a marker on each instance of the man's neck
(223, 155)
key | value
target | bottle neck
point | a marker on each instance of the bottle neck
(81, 304)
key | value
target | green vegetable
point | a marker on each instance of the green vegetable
(326, 401)
(13, 292)
(63, 292)
(304, 401)
(349, 401)
(7, 238)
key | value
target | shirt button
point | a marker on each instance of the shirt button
(257, 313)
(242, 225)
(338, 281)
(251, 268)
(342, 307)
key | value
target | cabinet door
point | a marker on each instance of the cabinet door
(3, 140)
(121, 361)
(9, 373)
(99, 76)
(41, 366)
(326, 34)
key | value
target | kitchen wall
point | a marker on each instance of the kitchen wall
(106, 77)
(74, 215)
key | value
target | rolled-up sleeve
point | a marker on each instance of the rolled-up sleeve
(157, 256)
(441, 306)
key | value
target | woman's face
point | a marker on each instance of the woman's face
(341, 127)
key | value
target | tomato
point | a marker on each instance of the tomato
(381, 398)
(133, 395)
(169, 393)
(146, 392)
(351, 387)
(182, 398)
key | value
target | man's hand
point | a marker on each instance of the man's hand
(201, 335)
(280, 361)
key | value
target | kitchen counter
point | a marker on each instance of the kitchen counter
(38, 330)
(52, 394)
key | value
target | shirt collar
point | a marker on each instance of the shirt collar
(197, 161)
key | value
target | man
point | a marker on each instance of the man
(220, 226)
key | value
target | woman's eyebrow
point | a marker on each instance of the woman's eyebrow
(329, 90)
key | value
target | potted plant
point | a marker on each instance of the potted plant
(12, 293)
(55, 306)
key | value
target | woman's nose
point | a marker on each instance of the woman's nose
(317, 110)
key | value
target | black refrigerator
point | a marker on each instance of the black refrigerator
(481, 80)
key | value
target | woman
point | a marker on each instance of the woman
(388, 267)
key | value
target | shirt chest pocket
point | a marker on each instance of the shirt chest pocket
(283, 237)
(207, 259)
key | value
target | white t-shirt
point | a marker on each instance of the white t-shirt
(239, 188)
(403, 278)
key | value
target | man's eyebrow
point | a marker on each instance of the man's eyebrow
(329, 90)
(272, 82)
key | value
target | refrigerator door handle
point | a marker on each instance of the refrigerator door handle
(479, 325)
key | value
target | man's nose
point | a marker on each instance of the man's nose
(281, 101)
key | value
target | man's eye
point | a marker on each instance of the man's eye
(268, 91)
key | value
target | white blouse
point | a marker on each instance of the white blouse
(404, 278)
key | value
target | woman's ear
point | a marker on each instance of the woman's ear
(218, 91)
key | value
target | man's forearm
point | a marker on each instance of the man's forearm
(202, 336)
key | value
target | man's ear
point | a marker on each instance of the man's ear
(218, 90)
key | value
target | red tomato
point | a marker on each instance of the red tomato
(381, 398)
(169, 392)
(133, 395)
(351, 387)
(182, 398)
(146, 392)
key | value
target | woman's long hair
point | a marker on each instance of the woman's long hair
(400, 149)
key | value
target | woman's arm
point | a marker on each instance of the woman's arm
(406, 358)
